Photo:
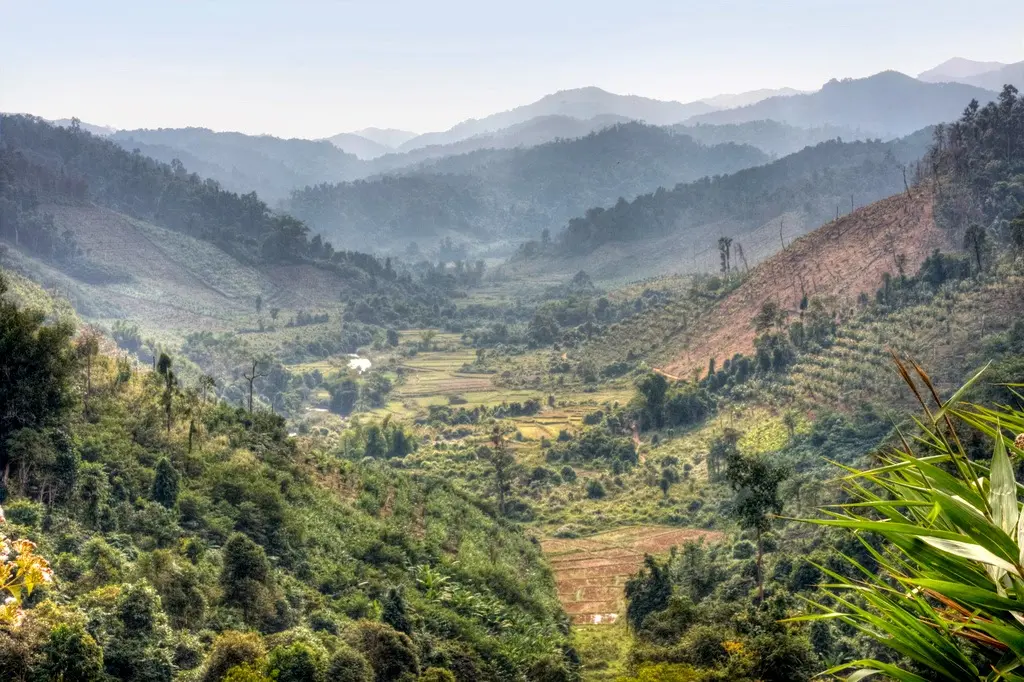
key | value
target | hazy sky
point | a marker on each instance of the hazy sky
(314, 68)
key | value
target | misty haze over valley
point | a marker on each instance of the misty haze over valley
(463, 342)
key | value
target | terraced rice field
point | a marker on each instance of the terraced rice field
(591, 572)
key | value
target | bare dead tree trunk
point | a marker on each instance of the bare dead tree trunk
(251, 377)
(739, 250)
(760, 575)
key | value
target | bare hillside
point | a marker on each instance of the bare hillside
(841, 259)
(165, 280)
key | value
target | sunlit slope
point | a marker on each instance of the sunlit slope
(842, 259)
(164, 280)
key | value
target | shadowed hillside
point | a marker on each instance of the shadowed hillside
(516, 193)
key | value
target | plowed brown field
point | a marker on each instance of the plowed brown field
(591, 572)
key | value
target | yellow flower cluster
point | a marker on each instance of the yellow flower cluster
(21, 571)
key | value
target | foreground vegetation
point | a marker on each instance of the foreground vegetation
(193, 540)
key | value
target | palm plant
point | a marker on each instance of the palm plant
(948, 596)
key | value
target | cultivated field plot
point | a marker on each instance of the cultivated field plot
(433, 377)
(591, 572)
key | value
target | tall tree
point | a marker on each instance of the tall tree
(653, 388)
(647, 592)
(975, 241)
(725, 254)
(163, 368)
(37, 370)
(87, 345)
(256, 371)
(755, 480)
(723, 448)
(502, 461)
(165, 483)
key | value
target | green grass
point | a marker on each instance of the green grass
(603, 649)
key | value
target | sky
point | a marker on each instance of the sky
(313, 68)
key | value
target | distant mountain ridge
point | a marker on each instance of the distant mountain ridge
(957, 69)
(581, 103)
(888, 104)
(506, 195)
(989, 75)
(1011, 74)
(362, 147)
(268, 165)
(742, 99)
(391, 138)
(530, 133)
(99, 130)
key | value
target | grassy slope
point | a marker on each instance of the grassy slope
(169, 282)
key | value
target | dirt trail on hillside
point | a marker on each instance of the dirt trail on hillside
(841, 259)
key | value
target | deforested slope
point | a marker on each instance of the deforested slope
(841, 260)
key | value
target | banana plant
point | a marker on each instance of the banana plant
(948, 595)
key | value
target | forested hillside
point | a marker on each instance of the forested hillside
(817, 181)
(269, 166)
(189, 539)
(43, 164)
(771, 137)
(529, 133)
(511, 194)
(156, 255)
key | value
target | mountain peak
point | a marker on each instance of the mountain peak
(958, 68)
(889, 103)
(387, 137)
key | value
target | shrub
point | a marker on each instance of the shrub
(72, 655)
(296, 662)
(595, 489)
(703, 644)
(323, 621)
(743, 549)
(393, 610)
(348, 665)
(390, 653)
(232, 649)
(24, 513)
(250, 672)
(437, 675)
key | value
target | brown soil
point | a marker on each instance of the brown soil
(591, 573)
(839, 260)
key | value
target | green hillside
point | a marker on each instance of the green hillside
(172, 521)
(503, 195)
